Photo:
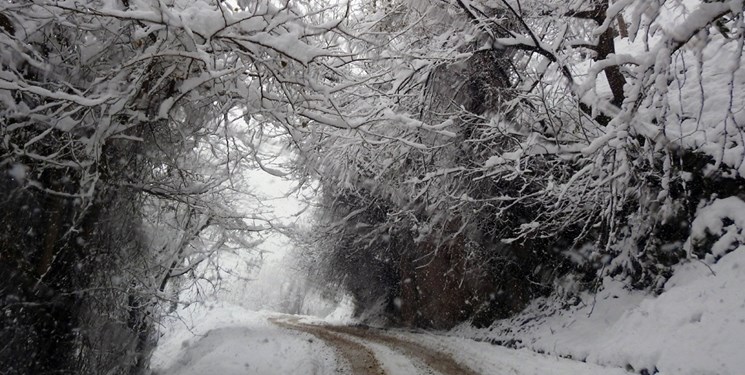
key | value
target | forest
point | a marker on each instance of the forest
(466, 156)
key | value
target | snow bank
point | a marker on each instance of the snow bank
(490, 359)
(248, 350)
(179, 331)
(695, 327)
(227, 339)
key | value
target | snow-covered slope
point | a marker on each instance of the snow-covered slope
(695, 327)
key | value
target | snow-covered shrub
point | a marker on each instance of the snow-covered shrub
(717, 229)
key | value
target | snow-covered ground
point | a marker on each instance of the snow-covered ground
(695, 327)
(486, 358)
(225, 339)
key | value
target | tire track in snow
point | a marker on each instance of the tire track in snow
(393, 361)
(400, 356)
(361, 359)
(439, 361)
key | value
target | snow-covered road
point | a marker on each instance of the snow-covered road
(229, 340)
(253, 350)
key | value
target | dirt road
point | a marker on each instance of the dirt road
(361, 359)
(371, 351)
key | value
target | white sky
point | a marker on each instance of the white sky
(270, 287)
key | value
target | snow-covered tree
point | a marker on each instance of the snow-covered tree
(126, 126)
(544, 136)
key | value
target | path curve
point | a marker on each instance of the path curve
(363, 360)
(360, 358)
(443, 363)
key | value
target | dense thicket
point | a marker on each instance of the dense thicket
(528, 145)
(125, 128)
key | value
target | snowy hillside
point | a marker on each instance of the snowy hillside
(695, 327)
